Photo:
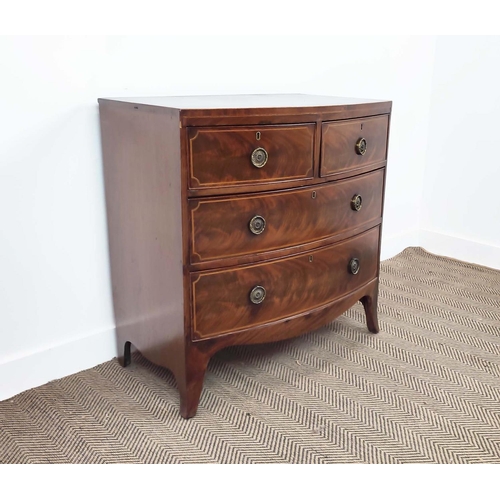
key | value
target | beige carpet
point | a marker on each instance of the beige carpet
(425, 389)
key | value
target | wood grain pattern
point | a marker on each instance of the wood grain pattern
(296, 284)
(222, 156)
(142, 174)
(220, 227)
(338, 152)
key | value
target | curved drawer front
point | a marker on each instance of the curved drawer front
(351, 144)
(253, 224)
(224, 156)
(240, 298)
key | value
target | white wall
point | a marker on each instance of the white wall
(461, 205)
(56, 310)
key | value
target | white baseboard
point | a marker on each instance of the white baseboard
(395, 244)
(476, 252)
(38, 368)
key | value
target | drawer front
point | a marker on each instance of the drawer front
(225, 156)
(242, 225)
(352, 144)
(227, 301)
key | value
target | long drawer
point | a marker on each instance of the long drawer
(233, 226)
(228, 156)
(353, 144)
(236, 299)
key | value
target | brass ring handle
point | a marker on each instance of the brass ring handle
(356, 202)
(259, 157)
(354, 266)
(257, 294)
(257, 224)
(361, 146)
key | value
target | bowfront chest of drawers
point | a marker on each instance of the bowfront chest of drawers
(239, 220)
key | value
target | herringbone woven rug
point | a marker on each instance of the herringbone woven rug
(425, 389)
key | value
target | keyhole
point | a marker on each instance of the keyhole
(361, 126)
(257, 136)
(313, 195)
(310, 258)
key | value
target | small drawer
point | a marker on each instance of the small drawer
(237, 299)
(242, 225)
(223, 156)
(352, 144)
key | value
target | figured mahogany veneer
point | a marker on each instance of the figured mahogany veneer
(338, 145)
(293, 285)
(220, 227)
(207, 250)
(222, 156)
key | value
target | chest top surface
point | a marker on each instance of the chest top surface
(244, 101)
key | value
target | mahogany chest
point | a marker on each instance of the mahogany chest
(239, 219)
